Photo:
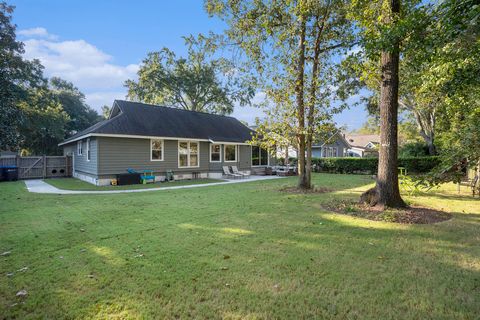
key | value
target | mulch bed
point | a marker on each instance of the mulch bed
(296, 190)
(409, 215)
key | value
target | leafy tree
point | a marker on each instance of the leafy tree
(289, 45)
(371, 126)
(386, 28)
(199, 82)
(16, 76)
(455, 70)
(81, 116)
(106, 111)
(44, 123)
(413, 149)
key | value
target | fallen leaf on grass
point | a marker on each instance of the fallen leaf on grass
(5, 254)
(21, 293)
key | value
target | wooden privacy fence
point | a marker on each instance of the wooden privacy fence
(35, 167)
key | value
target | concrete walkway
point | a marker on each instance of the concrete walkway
(39, 186)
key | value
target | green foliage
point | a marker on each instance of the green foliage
(106, 111)
(81, 116)
(414, 185)
(35, 115)
(17, 75)
(413, 149)
(370, 165)
(291, 47)
(199, 82)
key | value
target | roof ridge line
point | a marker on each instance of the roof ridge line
(179, 109)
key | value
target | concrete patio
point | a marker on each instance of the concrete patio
(40, 186)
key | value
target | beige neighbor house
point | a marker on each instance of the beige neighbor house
(347, 145)
(363, 145)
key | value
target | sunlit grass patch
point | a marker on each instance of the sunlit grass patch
(243, 251)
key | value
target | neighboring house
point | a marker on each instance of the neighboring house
(363, 145)
(335, 146)
(148, 137)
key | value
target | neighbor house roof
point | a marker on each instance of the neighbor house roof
(362, 140)
(145, 120)
(331, 139)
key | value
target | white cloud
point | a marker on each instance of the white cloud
(79, 62)
(37, 33)
(98, 99)
(85, 65)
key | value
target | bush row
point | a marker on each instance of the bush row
(370, 165)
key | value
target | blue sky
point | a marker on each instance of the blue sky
(99, 44)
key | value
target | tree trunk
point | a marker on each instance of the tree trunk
(299, 91)
(313, 96)
(387, 193)
(286, 162)
(426, 126)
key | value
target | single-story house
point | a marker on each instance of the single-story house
(363, 145)
(334, 146)
(149, 137)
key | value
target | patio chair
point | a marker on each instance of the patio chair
(227, 173)
(235, 171)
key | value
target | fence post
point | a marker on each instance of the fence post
(44, 166)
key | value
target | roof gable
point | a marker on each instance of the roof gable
(362, 140)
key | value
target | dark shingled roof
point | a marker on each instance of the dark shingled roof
(143, 119)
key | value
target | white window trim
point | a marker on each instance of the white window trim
(80, 148)
(163, 150)
(188, 154)
(88, 150)
(225, 154)
(219, 158)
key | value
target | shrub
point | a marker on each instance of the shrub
(413, 149)
(370, 165)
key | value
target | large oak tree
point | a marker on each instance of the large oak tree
(289, 45)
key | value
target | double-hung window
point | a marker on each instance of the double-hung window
(156, 150)
(215, 153)
(230, 153)
(188, 152)
(80, 148)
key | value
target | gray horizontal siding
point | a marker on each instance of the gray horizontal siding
(339, 144)
(80, 163)
(244, 155)
(118, 154)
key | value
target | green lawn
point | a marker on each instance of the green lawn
(237, 251)
(76, 184)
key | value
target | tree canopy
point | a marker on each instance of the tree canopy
(289, 46)
(36, 113)
(17, 75)
(199, 82)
